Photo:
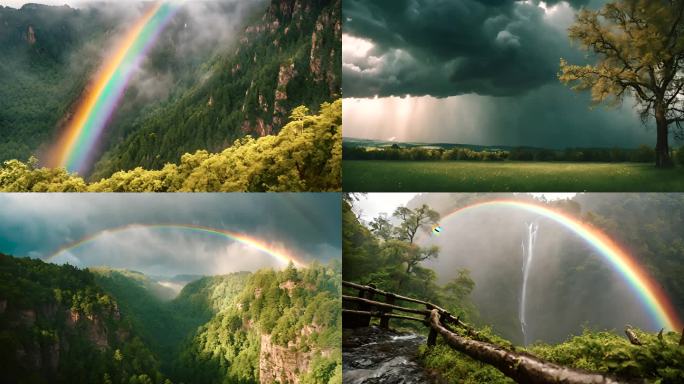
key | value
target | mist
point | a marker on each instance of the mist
(571, 286)
(198, 32)
(38, 226)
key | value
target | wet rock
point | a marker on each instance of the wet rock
(373, 355)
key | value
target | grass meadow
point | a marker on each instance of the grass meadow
(509, 176)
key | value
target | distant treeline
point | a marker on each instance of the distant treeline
(643, 154)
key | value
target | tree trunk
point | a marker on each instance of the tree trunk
(521, 367)
(663, 159)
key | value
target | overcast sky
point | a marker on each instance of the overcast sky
(19, 3)
(72, 3)
(304, 225)
(475, 72)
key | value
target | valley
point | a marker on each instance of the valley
(61, 323)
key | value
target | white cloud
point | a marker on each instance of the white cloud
(373, 204)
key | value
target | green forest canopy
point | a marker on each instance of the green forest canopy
(210, 333)
(305, 155)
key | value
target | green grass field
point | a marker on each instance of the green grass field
(462, 176)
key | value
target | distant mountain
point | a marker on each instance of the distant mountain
(61, 324)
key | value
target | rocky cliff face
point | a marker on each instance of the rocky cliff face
(284, 20)
(53, 328)
(31, 35)
(288, 54)
(279, 364)
(285, 364)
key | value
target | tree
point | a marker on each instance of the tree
(640, 49)
(382, 227)
(412, 220)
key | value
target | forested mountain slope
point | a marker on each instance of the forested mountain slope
(305, 156)
(283, 327)
(289, 56)
(45, 63)
(58, 326)
(59, 323)
(196, 90)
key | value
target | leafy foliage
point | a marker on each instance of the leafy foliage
(305, 156)
(455, 367)
(211, 333)
(385, 255)
(372, 254)
(658, 360)
(289, 55)
(643, 154)
(58, 326)
(638, 45)
(299, 310)
(285, 54)
(37, 78)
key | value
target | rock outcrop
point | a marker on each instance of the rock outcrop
(278, 364)
(284, 18)
(31, 35)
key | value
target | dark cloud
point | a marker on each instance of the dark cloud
(446, 48)
(551, 116)
(305, 225)
(478, 72)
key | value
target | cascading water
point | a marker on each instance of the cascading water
(528, 254)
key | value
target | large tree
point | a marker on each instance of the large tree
(639, 47)
(413, 220)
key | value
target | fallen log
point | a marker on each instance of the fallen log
(521, 367)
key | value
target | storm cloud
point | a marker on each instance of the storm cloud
(447, 48)
(306, 226)
(473, 72)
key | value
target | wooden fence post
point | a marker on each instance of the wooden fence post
(384, 320)
(367, 295)
(432, 336)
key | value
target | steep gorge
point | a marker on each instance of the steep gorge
(58, 323)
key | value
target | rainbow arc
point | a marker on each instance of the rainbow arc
(648, 291)
(280, 255)
(74, 149)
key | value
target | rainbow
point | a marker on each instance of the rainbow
(649, 292)
(279, 255)
(74, 148)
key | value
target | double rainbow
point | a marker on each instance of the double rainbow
(262, 246)
(74, 148)
(647, 290)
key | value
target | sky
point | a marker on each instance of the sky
(19, 3)
(71, 3)
(371, 205)
(306, 226)
(472, 72)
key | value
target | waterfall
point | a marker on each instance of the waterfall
(528, 254)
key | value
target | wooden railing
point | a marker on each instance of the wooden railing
(522, 367)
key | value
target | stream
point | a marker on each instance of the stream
(374, 355)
